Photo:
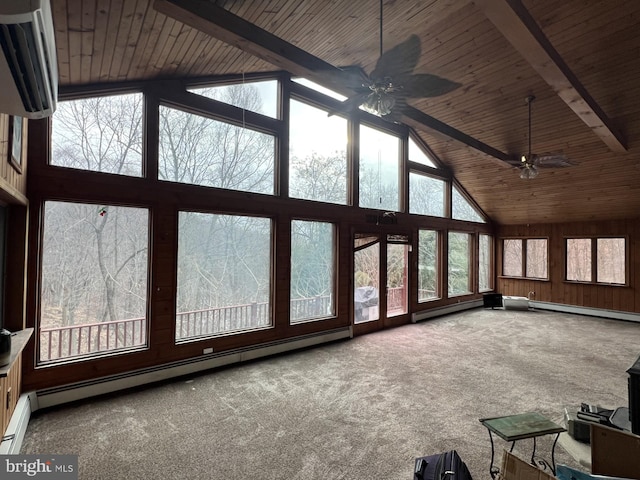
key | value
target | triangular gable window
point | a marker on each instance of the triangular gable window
(417, 154)
(461, 209)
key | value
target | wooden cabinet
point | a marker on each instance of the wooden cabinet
(11, 379)
(9, 392)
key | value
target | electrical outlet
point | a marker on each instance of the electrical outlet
(207, 350)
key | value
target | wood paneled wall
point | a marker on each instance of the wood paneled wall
(556, 289)
(13, 189)
(13, 184)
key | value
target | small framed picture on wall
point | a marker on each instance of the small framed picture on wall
(15, 142)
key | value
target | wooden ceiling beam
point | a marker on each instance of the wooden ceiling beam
(219, 23)
(517, 25)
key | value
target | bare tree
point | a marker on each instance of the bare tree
(318, 177)
(101, 134)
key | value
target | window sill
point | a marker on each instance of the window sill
(505, 277)
(596, 284)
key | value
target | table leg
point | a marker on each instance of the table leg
(533, 454)
(541, 462)
(493, 471)
(553, 454)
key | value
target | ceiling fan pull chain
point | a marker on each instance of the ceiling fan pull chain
(381, 50)
(530, 99)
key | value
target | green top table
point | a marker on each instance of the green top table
(524, 425)
(519, 427)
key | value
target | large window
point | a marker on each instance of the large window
(459, 275)
(417, 154)
(525, 257)
(536, 264)
(93, 288)
(579, 259)
(485, 277)
(100, 134)
(379, 169)
(428, 265)
(461, 209)
(611, 260)
(201, 151)
(312, 271)
(257, 96)
(426, 195)
(599, 260)
(318, 154)
(224, 274)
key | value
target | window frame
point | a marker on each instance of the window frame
(470, 262)
(100, 354)
(334, 266)
(271, 276)
(228, 120)
(399, 134)
(491, 260)
(106, 93)
(349, 170)
(594, 259)
(438, 264)
(428, 174)
(524, 241)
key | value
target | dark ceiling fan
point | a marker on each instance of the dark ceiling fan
(530, 162)
(384, 91)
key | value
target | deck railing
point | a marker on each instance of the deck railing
(74, 340)
(92, 338)
(213, 321)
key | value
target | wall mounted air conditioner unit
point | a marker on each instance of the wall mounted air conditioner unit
(28, 65)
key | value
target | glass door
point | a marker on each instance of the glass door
(397, 277)
(380, 279)
(366, 278)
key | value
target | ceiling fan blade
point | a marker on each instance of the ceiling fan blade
(353, 77)
(399, 60)
(514, 161)
(551, 160)
(351, 103)
(423, 85)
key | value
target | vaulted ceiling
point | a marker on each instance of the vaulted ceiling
(578, 57)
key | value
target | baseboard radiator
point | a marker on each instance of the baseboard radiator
(90, 388)
(590, 311)
(438, 311)
(13, 436)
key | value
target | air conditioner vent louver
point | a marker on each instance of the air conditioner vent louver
(29, 66)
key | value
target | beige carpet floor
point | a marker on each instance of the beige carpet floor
(356, 409)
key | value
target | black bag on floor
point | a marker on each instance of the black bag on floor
(442, 466)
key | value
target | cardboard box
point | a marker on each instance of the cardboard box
(614, 452)
(514, 468)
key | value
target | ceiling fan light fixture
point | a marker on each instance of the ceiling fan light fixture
(379, 102)
(528, 172)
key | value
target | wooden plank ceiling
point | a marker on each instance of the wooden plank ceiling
(104, 41)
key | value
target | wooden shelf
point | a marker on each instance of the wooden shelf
(18, 342)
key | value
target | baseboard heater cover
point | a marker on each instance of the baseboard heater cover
(14, 435)
(591, 311)
(444, 310)
(77, 391)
